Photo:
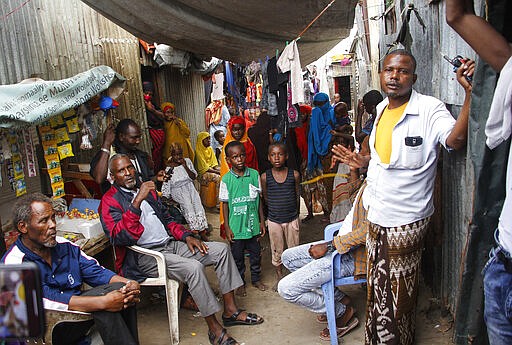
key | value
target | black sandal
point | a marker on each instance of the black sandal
(221, 340)
(250, 320)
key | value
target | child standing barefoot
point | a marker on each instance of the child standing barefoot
(281, 192)
(180, 187)
(240, 195)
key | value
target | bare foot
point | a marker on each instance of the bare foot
(279, 275)
(241, 291)
(279, 272)
(259, 285)
(345, 318)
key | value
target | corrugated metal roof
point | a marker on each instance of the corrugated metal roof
(58, 39)
(61, 38)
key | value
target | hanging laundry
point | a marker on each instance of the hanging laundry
(231, 84)
(272, 73)
(264, 87)
(218, 86)
(251, 93)
(289, 61)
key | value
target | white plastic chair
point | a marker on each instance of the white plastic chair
(171, 290)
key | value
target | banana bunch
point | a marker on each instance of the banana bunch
(88, 214)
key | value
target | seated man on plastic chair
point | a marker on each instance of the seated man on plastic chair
(311, 266)
(132, 214)
(64, 269)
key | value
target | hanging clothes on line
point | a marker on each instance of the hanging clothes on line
(218, 86)
(289, 61)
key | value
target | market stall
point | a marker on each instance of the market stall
(42, 125)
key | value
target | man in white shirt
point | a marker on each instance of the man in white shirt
(497, 52)
(404, 146)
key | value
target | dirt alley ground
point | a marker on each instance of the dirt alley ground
(285, 323)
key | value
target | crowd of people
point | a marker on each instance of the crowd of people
(377, 178)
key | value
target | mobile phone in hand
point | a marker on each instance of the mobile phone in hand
(21, 303)
(456, 62)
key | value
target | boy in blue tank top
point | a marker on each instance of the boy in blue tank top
(280, 186)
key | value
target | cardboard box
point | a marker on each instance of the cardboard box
(88, 228)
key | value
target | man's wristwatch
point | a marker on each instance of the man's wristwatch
(330, 247)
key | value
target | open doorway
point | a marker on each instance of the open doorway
(342, 86)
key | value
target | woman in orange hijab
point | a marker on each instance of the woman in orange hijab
(237, 131)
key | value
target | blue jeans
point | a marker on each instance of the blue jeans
(498, 298)
(303, 285)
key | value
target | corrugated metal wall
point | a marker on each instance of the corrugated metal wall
(187, 94)
(58, 39)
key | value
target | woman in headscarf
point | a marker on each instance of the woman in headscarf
(155, 119)
(259, 135)
(236, 131)
(216, 117)
(176, 131)
(319, 155)
(206, 163)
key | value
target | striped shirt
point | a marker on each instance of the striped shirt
(281, 198)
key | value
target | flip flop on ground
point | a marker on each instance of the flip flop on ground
(223, 339)
(250, 319)
(322, 318)
(340, 331)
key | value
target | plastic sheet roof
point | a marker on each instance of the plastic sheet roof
(234, 30)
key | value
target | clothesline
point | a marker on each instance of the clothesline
(315, 19)
(15, 10)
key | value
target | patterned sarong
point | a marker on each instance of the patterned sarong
(394, 259)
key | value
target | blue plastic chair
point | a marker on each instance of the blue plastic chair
(328, 287)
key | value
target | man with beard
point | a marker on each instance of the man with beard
(124, 138)
(132, 214)
(64, 268)
(404, 146)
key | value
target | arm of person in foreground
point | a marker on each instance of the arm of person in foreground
(113, 301)
(296, 176)
(479, 34)
(229, 233)
(355, 160)
(458, 137)
(99, 164)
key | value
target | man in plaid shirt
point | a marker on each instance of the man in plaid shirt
(310, 267)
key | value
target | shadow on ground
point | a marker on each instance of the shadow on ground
(284, 323)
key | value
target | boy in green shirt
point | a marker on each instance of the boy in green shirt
(239, 192)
